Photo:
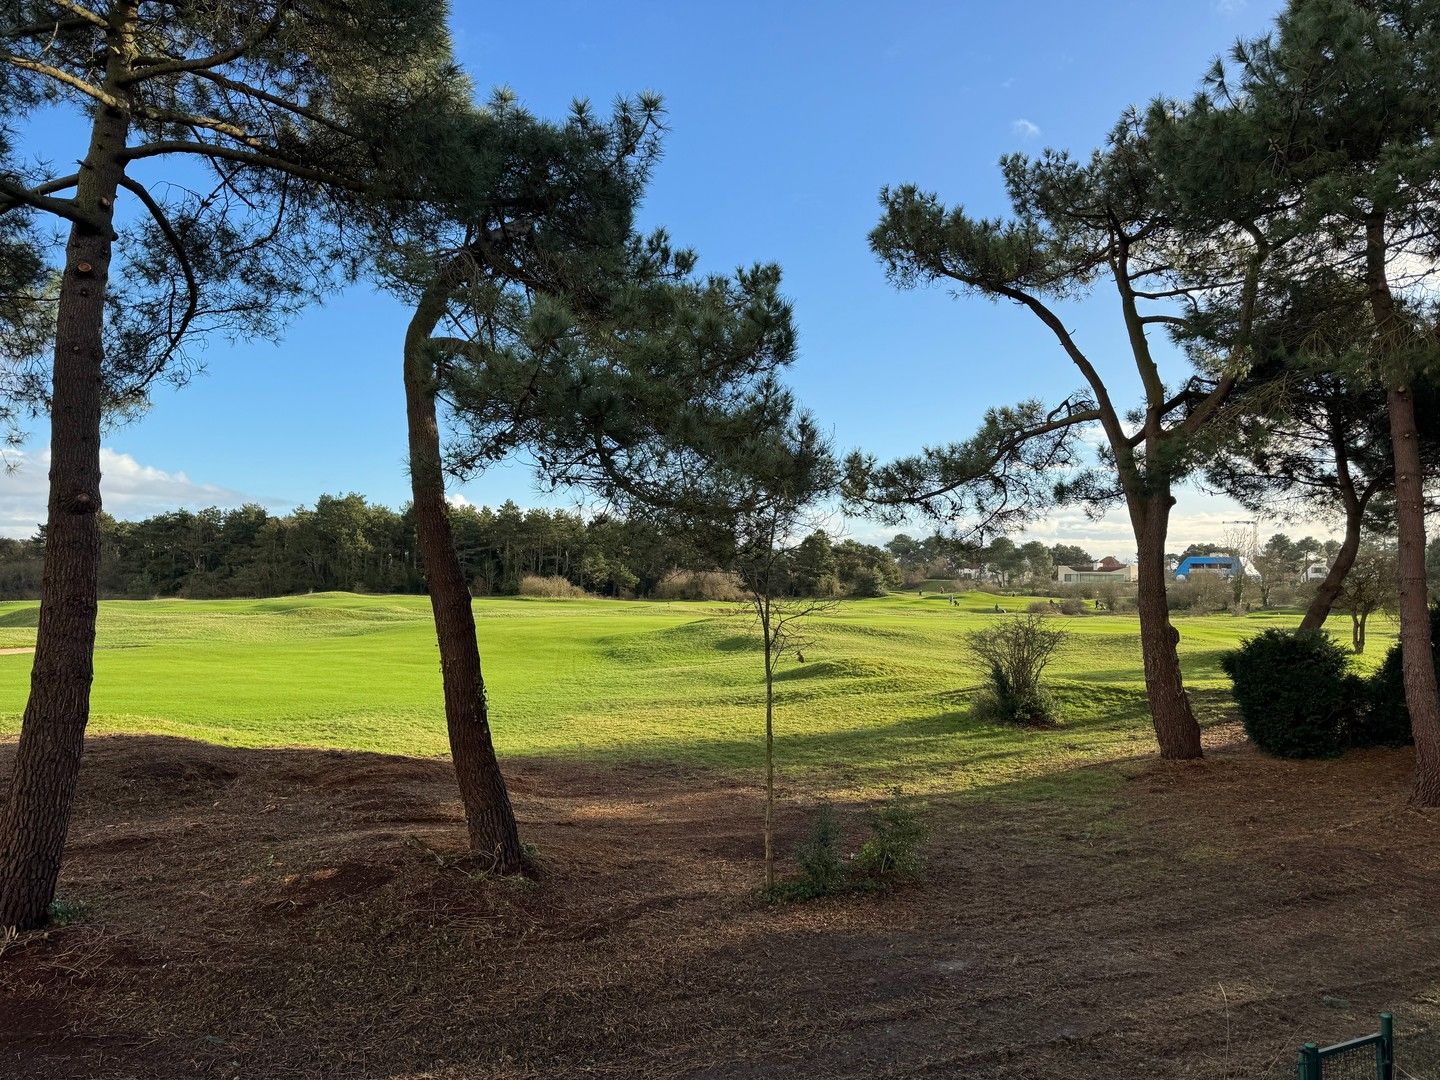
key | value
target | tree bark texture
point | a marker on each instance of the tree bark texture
(1176, 729)
(38, 802)
(489, 816)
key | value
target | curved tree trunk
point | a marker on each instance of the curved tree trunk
(38, 803)
(1355, 504)
(1329, 590)
(1176, 729)
(488, 814)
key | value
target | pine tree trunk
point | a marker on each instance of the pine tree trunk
(38, 804)
(1422, 697)
(1329, 590)
(1417, 658)
(488, 814)
(1176, 729)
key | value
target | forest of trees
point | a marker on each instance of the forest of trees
(345, 542)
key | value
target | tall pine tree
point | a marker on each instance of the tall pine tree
(545, 328)
(258, 98)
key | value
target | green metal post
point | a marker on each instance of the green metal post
(1310, 1062)
(1385, 1061)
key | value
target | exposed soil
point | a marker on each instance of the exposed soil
(302, 914)
(17, 650)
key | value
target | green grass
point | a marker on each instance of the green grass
(883, 697)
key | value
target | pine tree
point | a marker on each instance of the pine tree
(1168, 222)
(551, 331)
(261, 93)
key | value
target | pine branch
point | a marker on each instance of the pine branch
(60, 76)
(16, 195)
(259, 159)
(82, 13)
(192, 287)
(272, 99)
(160, 68)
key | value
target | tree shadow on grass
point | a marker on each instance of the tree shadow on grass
(943, 747)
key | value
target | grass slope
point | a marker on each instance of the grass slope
(883, 697)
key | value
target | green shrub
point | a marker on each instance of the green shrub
(65, 912)
(821, 862)
(890, 856)
(1387, 721)
(1296, 695)
(553, 587)
(1015, 652)
(892, 853)
(1001, 702)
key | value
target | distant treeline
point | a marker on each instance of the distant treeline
(347, 543)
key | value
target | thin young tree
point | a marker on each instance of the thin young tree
(1172, 225)
(1241, 540)
(1276, 563)
(251, 105)
(548, 330)
(777, 492)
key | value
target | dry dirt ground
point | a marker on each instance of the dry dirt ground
(294, 914)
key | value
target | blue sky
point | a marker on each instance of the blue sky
(786, 120)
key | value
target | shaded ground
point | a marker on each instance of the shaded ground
(295, 913)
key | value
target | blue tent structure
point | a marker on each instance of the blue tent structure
(1227, 565)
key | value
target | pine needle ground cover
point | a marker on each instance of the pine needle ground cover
(883, 697)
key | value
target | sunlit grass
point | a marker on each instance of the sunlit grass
(882, 698)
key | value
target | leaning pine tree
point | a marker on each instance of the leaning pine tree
(1173, 235)
(546, 329)
(249, 104)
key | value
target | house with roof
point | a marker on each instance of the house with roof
(1107, 569)
(1225, 566)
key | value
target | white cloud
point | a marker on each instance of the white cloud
(1026, 129)
(454, 498)
(1230, 7)
(128, 489)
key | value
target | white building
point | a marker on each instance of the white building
(1107, 569)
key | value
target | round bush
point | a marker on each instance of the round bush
(1296, 694)
(1387, 721)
